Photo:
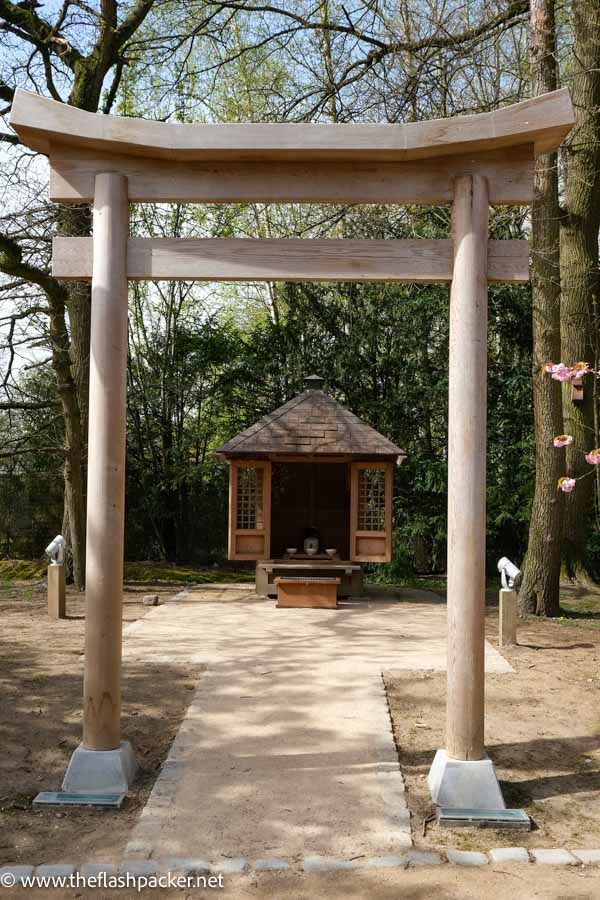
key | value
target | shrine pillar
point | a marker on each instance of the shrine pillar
(102, 763)
(462, 775)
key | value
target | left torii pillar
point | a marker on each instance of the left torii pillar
(103, 763)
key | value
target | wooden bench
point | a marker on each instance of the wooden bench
(269, 570)
(304, 592)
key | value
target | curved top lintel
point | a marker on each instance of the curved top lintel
(542, 121)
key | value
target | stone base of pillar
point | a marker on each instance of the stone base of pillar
(101, 771)
(464, 784)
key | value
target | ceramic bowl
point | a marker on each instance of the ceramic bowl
(311, 551)
(331, 552)
(291, 550)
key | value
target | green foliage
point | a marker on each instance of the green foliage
(31, 482)
(593, 552)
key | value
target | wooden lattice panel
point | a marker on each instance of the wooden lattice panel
(371, 512)
(371, 500)
(250, 512)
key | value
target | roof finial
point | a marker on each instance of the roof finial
(313, 383)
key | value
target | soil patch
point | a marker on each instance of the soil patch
(41, 677)
(542, 732)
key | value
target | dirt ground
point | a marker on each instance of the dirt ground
(493, 882)
(542, 732)
(41, 673)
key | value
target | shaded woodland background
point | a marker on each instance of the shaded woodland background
(208, 360)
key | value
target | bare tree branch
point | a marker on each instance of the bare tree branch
(11, 262)
(514, 10)
(11, 453)
(25, 21)
(133, 21)
(15, 404)
(6, 93)
(25, 313)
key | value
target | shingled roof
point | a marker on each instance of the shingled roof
(311, 424)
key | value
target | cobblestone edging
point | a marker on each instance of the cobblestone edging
(310, 864)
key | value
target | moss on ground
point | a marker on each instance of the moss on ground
(158, 572)
(22, 569)
(580, 605)
(145, 572)
(429, 583)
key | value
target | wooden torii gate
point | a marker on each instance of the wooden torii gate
(469, 162)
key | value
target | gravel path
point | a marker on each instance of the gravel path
(286, 750)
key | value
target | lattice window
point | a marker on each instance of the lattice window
(371, 500)
(250, 513)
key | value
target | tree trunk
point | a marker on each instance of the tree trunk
(74, 502)
(580, 220)
(540, 589)
(75, 221)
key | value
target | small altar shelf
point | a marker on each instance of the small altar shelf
(268, 572)
(304, 592)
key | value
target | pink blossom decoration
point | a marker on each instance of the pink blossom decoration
(560, 372)
(580, 369)
(593, 457)
(566, 484)
(563, 440)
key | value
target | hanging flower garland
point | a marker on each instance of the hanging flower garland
(560, 372)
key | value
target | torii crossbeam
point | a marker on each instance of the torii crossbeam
(469, 162)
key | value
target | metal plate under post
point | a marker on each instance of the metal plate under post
(483, 818)
(63, 798)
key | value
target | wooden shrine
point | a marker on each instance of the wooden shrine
(310, 469)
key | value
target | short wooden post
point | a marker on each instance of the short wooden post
(466, 469)
(57, 608)
(507, 634)
(106, 466)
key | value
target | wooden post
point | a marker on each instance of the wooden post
(507, 634)
(106, 466)
(56, 592)
(466, 469)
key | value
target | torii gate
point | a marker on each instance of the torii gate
(469, 162)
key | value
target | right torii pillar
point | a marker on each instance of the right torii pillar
(462, 775)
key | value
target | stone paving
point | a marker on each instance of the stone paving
(286, 751)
